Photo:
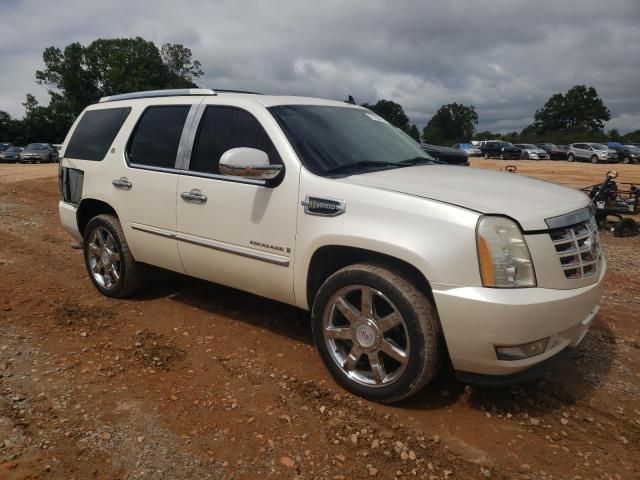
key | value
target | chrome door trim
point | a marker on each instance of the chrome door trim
(239, 250)
(191, 138)
(234, 249)
(185, 145)
(153, 230)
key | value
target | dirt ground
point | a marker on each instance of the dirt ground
(190, 380)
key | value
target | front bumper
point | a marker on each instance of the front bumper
(475, 320)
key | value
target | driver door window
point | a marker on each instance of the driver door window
(224, 128)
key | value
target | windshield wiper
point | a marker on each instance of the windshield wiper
(418, 161)
(362, 165)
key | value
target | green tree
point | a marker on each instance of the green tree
(452, 123)
(486, 135)
(79, 75)
(580, 111)
(392, 112)
(631, 136)
(179, 61)
(6, 124)
(414, 133)
(614, 135)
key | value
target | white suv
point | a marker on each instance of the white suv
(324, 205)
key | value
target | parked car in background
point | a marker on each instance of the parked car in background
(529, 151)
(5, 145)
(447, 155)
(627, 153)
(592, 152)
(57, 146)
(470, 149)
(555, 152)
(10, 155)
(38, 153)
(499, 149)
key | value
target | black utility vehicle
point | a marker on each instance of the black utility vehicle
(555, 152)
(499, 149)
(452, 156)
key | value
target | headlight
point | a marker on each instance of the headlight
(503, 255)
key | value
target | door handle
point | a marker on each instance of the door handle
(122, 182)
(194, 195)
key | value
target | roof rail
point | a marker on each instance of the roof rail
(159, 93)
(219, 90)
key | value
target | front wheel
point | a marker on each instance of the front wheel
(502, 157)
(486, 155)
(110, 264)
(626, 160)
(571, 157)
(594, 159)
(378, 335)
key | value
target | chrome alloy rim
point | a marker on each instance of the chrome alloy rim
(104, 257)
(366, 336)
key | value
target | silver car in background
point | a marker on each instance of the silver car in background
(38, 153)
(10, 155)
(529, 151)
(593, 152)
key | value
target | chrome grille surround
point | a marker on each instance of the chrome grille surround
(577, 245)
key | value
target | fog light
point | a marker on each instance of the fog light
(518, 352)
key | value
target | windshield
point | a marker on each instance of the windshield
(36, 146)
(13, 149)
(504, 144)
(327, 138)
(599, 146)
(632, 148)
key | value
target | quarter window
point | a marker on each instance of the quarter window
(224, 128)
(95, 133)
(156, 138)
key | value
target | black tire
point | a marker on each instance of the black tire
(594, 159)
(525, 156)
(626, 160)
(571, 157)
(129, 269)
(419, 317)
(486, 155)
(502, 157)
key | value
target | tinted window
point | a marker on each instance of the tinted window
(156, 137)
(223, 128)
(95, 133)
(328, 138)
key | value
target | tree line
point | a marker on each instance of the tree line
(577, 115)
(79, 75)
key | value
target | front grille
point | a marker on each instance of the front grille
(578, 248)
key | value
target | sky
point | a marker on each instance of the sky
(505, 57)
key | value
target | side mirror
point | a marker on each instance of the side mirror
(248, 163)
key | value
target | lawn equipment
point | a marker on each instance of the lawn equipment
(618, 200)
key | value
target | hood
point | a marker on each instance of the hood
(527, 200)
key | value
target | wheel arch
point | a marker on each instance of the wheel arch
(89, 208)
(328, 259)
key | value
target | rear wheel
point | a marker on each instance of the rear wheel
(502, 157)
(594, 159)
(626, 160)
(109, 262)
(376, 332)
(525, 156)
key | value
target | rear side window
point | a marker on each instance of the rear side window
(95, 133)
(223, 128)
(155, 141)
